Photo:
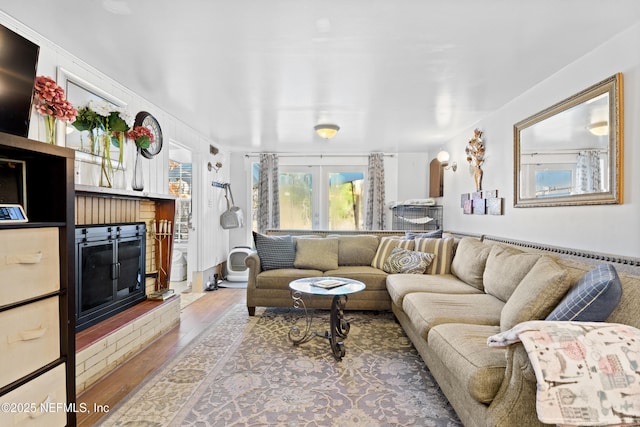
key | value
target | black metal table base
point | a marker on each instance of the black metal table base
(339, 327)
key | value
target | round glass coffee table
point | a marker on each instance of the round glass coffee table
(336, 287)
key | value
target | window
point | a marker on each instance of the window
(318, 197)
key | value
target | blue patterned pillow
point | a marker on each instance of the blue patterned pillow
(592, 298)
(435, 234)
(274, 251)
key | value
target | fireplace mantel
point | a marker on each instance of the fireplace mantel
(91, 190)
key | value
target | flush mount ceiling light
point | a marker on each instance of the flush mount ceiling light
(599, 128)
(326, 131)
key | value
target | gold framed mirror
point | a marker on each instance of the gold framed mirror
(572, 152)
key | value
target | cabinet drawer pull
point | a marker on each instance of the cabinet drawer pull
(33, 412)
(30, 335)
(45, 403)
(24, 258)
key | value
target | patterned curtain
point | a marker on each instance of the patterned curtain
(375, 216)
(268, 193)
(588, 172)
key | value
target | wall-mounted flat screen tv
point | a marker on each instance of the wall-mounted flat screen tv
(18, 62)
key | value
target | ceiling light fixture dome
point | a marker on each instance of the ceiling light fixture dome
(326, 131)
(599, 128)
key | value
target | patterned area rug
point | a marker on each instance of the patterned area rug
(244, 371)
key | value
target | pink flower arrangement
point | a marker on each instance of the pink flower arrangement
(50, 101)
(141, 135)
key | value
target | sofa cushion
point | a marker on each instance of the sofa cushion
(356, 250)
(374, 279)
(469, 261)
(405, 261)
(435, 234)
(386, 246)
(279, 279)
(504, 270)
(468, 358)
(442, 249)
(592, 299)
(399, 285)
(426, 310)
(537, 294)
(274, 251)
(316, 254)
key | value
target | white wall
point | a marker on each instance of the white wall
(211, 240)
(613, 229)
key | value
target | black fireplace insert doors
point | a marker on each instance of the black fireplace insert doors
(110, 270)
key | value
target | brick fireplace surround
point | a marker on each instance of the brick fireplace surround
(106, 345)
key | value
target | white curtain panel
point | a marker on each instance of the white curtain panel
(375, 216)
(268, 193)
(588, 172)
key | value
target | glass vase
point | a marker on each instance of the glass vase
(50, 129)
(477, 177)
(137, 182)
(106, 167)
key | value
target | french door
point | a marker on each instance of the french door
(322, 197)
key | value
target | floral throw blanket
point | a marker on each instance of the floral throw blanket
(587, 373)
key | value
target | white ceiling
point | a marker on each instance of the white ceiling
(395, 75)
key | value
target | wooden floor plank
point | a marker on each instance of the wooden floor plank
(194, 319)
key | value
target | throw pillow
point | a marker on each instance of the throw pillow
(356, 250)
(593, 298)
(405, 261)
(469, 261)
(505, 268)
(274, 251)
(536, 295)
(435, 234)
(386, 246)
(442, 250)
(316, 254)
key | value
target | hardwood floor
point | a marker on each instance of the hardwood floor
(193, 320)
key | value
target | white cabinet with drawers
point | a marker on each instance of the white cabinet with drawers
(37, 326)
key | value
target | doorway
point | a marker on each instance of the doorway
(180, 186)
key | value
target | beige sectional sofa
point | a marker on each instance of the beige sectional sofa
(482, 285)
(352, 259)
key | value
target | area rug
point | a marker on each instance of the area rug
(244, 371)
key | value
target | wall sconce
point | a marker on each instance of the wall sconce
(443, 158)
(217, 166)
(326, 131)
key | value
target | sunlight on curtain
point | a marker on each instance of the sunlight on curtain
(375, 217)
(588, 172)
(268, 193)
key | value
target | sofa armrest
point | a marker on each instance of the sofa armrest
(516, 398)
(253, 263)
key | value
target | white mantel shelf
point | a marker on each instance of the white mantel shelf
(118, 193)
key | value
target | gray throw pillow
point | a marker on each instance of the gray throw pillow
(274, 251)
(592, 299)
(435, 234)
